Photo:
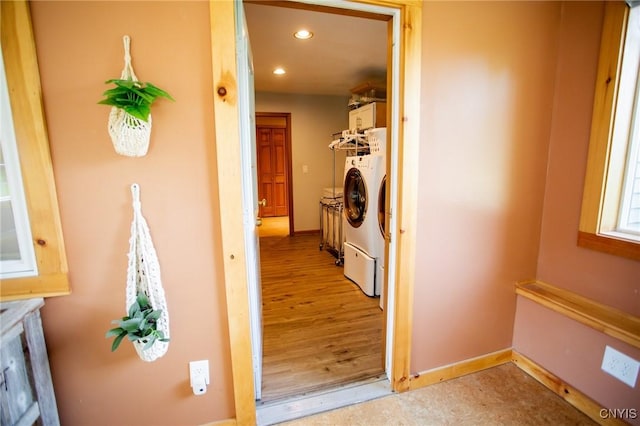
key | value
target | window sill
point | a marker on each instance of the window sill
(608, 244)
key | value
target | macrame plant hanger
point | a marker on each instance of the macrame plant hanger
(129, 134)
(143, 275)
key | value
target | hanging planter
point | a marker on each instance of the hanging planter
(130, 117)
(140, 326)
(147, 322)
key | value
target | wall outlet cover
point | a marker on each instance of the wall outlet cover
(199, 370)
(620, 366)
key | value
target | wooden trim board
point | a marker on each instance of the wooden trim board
(225, 86)
(606, 319)
(567, 392)
(459, 369)
(23, 77)
(226, 422)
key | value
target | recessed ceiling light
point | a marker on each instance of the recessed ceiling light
(279, 71)
(303, 34)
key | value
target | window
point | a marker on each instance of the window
(42, 216)
(610, 219)
(17, 257)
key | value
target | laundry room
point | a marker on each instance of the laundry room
(320, 134)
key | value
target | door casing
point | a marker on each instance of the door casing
(404, 114)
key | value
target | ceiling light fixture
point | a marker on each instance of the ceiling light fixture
(279, 71)
(303, 34)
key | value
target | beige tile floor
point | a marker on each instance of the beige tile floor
(502, 395)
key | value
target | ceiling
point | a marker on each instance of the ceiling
(344, 52)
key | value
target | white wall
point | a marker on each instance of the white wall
(314, 119)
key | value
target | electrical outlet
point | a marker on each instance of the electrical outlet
(199, 376)
(199, 369)
(620, 366)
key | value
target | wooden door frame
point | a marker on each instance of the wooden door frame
(225, 86)
(287, 147)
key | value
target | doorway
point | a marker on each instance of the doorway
(319, 330)
(401, 189)
(273, 155)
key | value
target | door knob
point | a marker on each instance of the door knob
(258, 221)
(262, 202)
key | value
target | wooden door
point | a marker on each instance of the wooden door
(272, 170)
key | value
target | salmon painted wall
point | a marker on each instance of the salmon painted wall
(487, 95)
(609, 279)
(314, 119)
(79, 46)
(570, 350)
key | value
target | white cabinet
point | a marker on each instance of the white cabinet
(368, 116)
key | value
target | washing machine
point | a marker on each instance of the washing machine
(363, 180)
(364, 246)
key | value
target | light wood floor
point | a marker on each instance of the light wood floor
(277, 226)
(320, 330)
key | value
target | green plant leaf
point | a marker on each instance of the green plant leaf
(138, 111)
(121, 82)
(142, 97)
(154, 315)
(129, 93)
(108, 101)
(150, 342)
(157, 92)
(131, 325)
(117, 340)
(133, 309)
(140, 324)
(143, 325)
(114, 332)
(142, 300)
(116, 91)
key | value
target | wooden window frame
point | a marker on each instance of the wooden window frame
(23, 80)
(606, 159)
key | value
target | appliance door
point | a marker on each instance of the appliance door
(355, 197)
(381, 204)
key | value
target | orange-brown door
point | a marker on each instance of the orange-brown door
(272, 170)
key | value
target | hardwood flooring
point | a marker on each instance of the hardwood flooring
(320, 330)
(276, 226)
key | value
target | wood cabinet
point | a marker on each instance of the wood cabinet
(26, 390)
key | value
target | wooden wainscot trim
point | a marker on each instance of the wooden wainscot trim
(460, 369)
(573, 396)
(606, 319)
